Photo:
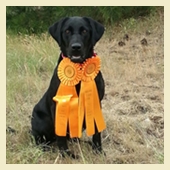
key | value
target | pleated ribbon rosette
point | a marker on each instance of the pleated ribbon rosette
(71, 109)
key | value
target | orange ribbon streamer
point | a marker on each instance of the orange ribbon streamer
(91, 108)
(89, 100)
(71, 110)
(66, 110)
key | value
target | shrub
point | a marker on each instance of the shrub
(36, 19)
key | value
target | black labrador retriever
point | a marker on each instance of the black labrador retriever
(76, 37)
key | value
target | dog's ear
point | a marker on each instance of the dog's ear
(97, 29)
(55, 30)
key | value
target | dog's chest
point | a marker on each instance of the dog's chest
(78, 88)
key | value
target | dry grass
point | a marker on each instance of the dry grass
(133, 106)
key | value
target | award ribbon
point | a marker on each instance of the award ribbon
(66, 98)
(71, 110)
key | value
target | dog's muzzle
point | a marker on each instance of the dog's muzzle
(76, 55)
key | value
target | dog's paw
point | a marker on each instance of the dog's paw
(96, 149)
(74, 140)
(48, 148)
(65, 153)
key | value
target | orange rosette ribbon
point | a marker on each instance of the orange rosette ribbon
(66, 98)
(89, 104)
(71, 109)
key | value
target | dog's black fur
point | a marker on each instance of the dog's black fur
(76, 37)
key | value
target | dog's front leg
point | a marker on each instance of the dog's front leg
(63, 147)
(96, 142)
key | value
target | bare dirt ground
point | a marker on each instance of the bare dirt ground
(133, 68)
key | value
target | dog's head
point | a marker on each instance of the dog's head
(77, 36)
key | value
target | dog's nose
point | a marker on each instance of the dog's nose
(76, 46)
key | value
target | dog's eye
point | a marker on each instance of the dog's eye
(67, 31)
(84, 31)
